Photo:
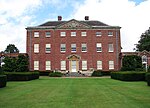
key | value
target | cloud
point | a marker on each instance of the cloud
(133, 19)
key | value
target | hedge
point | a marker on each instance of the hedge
(3, 80)
(128, 76)
(148, 79)
(21, 76)
(97, 73)
(55, 74)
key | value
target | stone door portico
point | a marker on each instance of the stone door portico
(73, 63)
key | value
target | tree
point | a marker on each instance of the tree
(131, 63)
(11, 48)
(144, 42)
(22, 63)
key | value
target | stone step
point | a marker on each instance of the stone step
(74, 74)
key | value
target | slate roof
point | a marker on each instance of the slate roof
(91, 23)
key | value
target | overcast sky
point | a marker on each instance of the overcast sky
(15, 15)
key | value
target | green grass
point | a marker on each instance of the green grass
(75, 93)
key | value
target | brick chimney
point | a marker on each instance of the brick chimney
(86, 17)
(59, 18)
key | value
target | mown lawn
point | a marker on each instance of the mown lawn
(75, 93)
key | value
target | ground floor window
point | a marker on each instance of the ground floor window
(99, 65)
(84, 65)
(36, 65)
(63, 65)
(48, 65)
(111, 64)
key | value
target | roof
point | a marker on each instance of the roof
(91, 23)
(74, 24)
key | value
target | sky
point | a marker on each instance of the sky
(15, 15)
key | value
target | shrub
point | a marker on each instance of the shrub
(148, 79)
(45, 73)
(22, 76)
(128, 76)
(3, 80)
(97, 73)
(55, 74)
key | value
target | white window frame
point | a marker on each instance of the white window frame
(73, 48)
(62, 34)
(99, 47)
(36, 65)
(83, 33)
(36, 34)
(111, 64)
(36, 48)
(99, 65)
(98, 33)
(62, 47)
(110, 33)
(47, 48)
(110, 48)
(47, 34)
(63, 65)
(84, 47)
(73, 33)
(47, 65)
(84, 65)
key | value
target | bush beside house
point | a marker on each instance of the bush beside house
(3, 80)
(148, 79)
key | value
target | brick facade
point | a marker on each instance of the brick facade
(55, 40)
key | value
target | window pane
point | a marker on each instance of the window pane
(36, 48)
(48, 34)
(111, 64)
(98, 33)
(73, 47)
(83, 33)
(63, 65)
(99, 47)
(48, 48)
(110, 48)
(73, 33)
(110, 33)
(84, 48)
(48, 65)
(62, 33)
(84, 65)
(63, 47)
(36, 65)
(36, 34)
(99, 64)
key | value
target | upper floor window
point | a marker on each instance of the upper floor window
(110, 48)
(36, 65)
(83, 33)
(98, 33)
(36, 48)
(111, 64)
(62, 33)
(110, 33)
(99, 65)
(62, 47)
(48, 34)
(36, 34)
(84, 47)
(73, 47)
(48, 65)
(73, 33)
(99, 47)
(48, 48)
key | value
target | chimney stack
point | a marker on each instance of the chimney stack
(86, 18)
(59, 18)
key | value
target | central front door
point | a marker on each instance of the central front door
(73, 66)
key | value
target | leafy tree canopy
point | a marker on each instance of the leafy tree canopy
(11, 48)
(144, 42)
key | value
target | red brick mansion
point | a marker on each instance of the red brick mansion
(74, 46)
